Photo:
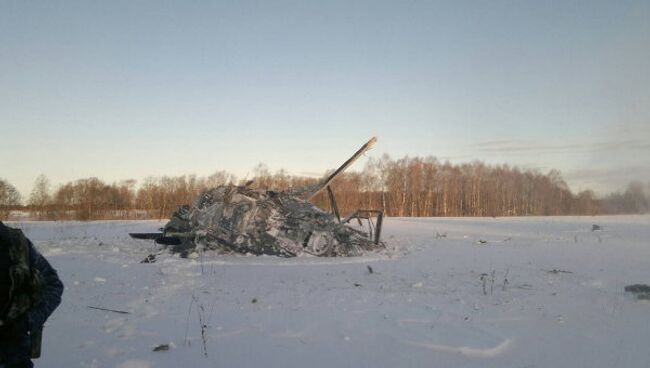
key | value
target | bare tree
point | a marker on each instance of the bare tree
(10, 198)
(40, 197)
(218, 178)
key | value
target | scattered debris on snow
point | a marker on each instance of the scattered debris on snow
(538, 320)
(108, 310)
(151, 258)
(161, 347)
(641, 291)
(557, 271)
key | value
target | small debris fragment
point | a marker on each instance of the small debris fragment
(149, 259)
(481, 241)
(440, 235)
(641, 291)
(162, 347)
(254, 300)
(357, 285)
(637, 288)
(556, 271)
(595, 227)
(370, 269)
(108, 310)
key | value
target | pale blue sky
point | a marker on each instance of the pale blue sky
(127, 89)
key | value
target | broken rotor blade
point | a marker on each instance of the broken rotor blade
(325, 182)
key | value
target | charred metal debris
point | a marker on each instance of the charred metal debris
(241, 219)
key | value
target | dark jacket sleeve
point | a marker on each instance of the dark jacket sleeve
(52, 290)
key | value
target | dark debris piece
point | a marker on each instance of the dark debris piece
(641, 291)
(637, 288)
(149, 259)
(556, 271)
(595, 227)
(162, 347)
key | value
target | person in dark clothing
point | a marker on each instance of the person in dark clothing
(30, 290)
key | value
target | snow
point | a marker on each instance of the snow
(430, 300)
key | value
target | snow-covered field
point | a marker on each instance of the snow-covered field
(432, 301)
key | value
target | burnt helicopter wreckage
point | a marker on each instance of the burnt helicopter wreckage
(241, 219)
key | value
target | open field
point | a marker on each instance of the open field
(485, 292)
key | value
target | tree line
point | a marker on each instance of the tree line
(410, 186)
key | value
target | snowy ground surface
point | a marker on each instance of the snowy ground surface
(425, 304)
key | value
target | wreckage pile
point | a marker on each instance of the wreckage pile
(245, 220)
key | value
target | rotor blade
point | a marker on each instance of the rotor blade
(323, 184)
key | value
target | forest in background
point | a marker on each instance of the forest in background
(410, 186)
